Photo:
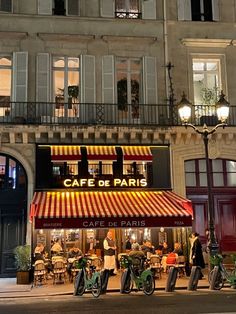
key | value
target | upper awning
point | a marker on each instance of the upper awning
(101, 152)
(137, 153)
(65, 152)
(113, 209)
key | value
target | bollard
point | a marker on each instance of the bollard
(104, 279)
(123, 284)
(193, 279)
(214, 277)
(171, 280)
(77, 282)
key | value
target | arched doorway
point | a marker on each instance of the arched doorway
(13, 211)
(223, 178)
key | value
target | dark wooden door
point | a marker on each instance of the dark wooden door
(11, 235)
(226, 226)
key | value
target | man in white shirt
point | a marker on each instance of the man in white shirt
(109, 254)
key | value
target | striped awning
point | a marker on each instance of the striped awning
(107, 209)
(101, 152)
(60, 152)
(137, 153)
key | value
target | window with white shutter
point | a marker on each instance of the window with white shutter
(66, 7)
(198, 10)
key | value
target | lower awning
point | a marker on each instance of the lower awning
(113, 209)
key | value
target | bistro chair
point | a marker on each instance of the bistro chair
(74, 270)
(97, 262)
(40, 273)
(155, 265)
(59, 271)
(181, 265)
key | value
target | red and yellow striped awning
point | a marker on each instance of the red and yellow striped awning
(60, 152)
(101, 152)
(107, 209)
(137, 153)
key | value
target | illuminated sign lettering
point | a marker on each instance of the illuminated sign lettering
(116, 182)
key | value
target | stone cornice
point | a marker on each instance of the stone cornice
(206, 42)
(173, 136)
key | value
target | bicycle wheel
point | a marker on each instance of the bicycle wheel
(97, 287)
(79, 284)
(127, 285)
(149, 285)
(219, 282)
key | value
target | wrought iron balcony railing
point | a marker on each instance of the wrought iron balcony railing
(132, 115)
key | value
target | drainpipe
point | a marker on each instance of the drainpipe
(166, 56)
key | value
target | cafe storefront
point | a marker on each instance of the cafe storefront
(87, 191)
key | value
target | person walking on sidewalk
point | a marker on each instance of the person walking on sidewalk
(109, 254)
(197, 256)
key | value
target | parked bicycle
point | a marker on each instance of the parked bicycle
(87, 278)
(136, 274)
(220, 275)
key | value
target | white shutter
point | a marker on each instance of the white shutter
(88, 89)
(215, 10)
(184, 10)
(45, 7)
(108, 88)
(150, 115)
(107, 8)
(149, 9)
(88, 79)
(72, 7)
(20, 76)
(150, 80)
(42, 79)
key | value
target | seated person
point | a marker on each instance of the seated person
(56, 247)
(177, 249)
(137, 256)
(147, 248)
(39, 254)
(165, 250)
(74, 254)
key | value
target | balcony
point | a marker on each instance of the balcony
(129, 115)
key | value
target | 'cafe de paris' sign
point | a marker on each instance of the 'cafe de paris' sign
(115, 182)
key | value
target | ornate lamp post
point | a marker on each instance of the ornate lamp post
(222, 110)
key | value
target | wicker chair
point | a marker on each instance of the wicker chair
(40, 273)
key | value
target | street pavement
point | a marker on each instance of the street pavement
(9, 288)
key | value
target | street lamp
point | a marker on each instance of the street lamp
(222, 110)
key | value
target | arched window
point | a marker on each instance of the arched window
(12, 174)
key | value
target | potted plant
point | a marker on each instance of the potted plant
(23, 263)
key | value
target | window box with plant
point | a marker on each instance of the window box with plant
(22, 255)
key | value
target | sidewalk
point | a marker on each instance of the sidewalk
(9, 288)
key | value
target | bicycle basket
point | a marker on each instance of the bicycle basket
(124, 261)
(81, 263)
(215, 260)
